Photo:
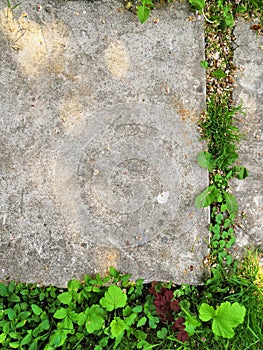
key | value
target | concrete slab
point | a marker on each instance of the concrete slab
(99, 143)
(248, 58)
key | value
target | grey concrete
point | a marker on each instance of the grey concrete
(248, 58)
(99, 143)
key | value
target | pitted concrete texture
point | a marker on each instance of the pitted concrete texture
(99, 143)
(248, 59)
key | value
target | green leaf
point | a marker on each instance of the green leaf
(219, 73)
(77, 318)
(65, 298)
(162, 333)
(43, 326)
(137, 309)
(143, 12)
(21, 324)
(66, 325)
(34, 346)
(14, 298)
(114, 298)
(240, 172)
(206, 160)
(207, 197)
(36, 309)
(14, 345)
(11, 314)
(131, 319)
(204, 64)
(117, 327)
(231, 202)
(58, 338)
(27, 339)
(141, 321)
(228, 316)
(229, 20)
(2, 337)
(61, 313)
(198, 4)
(191, 322)
(95, 318)
(206, 312)
(74, 285)
(3, 290)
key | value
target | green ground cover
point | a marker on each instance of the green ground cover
(115, 313)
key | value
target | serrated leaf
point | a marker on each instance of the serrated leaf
(228, 316)
(114, 298)
(207, 197)
(65, 298)
(61, 313)
(95, 319)
(231, 202)
(206, 312)
(36, 309)
(117, 327)
(206, 160)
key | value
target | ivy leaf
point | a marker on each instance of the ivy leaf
(228, 316)
(207, 197)
(117, 327)
(65, 298)
(198, 4)
(206, 312)
(114, 298)
(206, 160)
(231, 202)
(95, 318)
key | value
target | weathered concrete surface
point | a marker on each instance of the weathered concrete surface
(99, 143)
(248, 58)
